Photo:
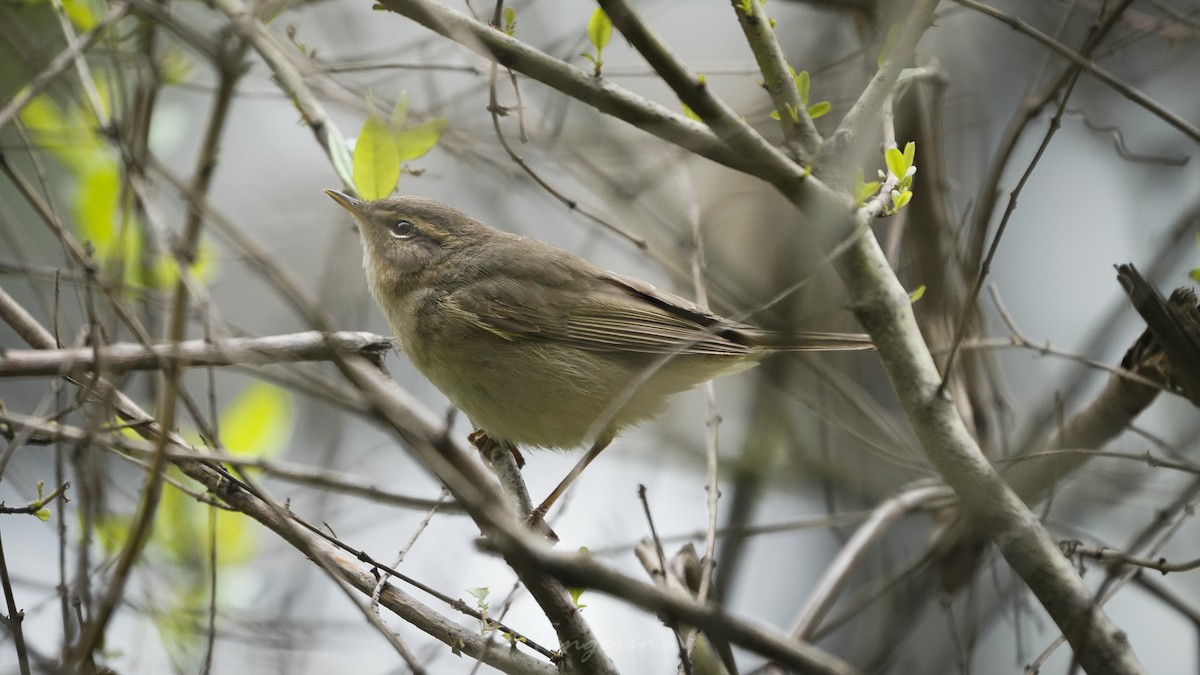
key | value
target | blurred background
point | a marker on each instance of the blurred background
(808, 446)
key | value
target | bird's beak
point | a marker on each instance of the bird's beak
(356, 207)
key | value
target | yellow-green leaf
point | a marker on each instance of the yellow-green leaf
(863, 190)
(917, 294)
(510, 20)
(174, 65)
(817, 109)
(166, 269)
(480, 594)
(183, 532)
(258, 422)
(237, 542)
(111, 530)
(415, 141)
(69, 135)
(376, 163)
(599, 29)
(896, 163)
(100, 220)
(180, 532)
(802, 86)
(80, 13)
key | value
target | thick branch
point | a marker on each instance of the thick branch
(125, 356)
(582, 571)
(883, 307)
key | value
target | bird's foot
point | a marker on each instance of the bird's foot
(485, 444)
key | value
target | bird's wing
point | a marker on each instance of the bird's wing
(600, 312)
(732, 332)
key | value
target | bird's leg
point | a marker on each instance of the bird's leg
(592, 453)
(484, 444)
(510, 478)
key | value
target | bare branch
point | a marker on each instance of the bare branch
(125, 356)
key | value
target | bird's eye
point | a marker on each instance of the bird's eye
(402, 229)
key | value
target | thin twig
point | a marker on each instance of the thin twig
(60, 63)
(15, 616)
(1129, 92)
(838, 572)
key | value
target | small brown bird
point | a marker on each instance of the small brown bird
(537, 346)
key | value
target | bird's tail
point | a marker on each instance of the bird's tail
(814, 342)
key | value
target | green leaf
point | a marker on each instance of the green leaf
(599, 30)
(376, 162)
(258, 422)
(174, 65)
(575, 594)
(863, 190)
(910, 153)
(510, 20)
(69, 134)
(165, 272)
(480, 594)
(415, 141)
(691, 114)
(803, 83)
(180, 532)
(112, 530)
(897, 164)
(1195, 274)
(80, 13)
(793, 114)
(96, 208)
(917, 294)
(42, 514)
(817, 109)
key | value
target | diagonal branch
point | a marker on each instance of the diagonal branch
(770, 164)
(601, 94)
(274, 516)
(777, 76)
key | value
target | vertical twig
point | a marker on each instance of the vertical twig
(15, 616)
